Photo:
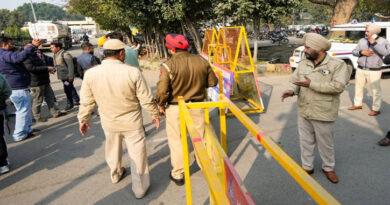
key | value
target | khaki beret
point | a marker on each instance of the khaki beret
(373, 28)
(316, 42)
(114, 44)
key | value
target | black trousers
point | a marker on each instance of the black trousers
(3, 145)
(70, 92)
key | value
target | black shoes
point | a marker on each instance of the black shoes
(68, 107)
(178, 182)
(59, 114)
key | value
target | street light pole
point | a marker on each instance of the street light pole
(33, 11)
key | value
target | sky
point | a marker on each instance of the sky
(13, 4)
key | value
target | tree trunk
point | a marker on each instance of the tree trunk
(194, 34)
(343, 10)
(256, 26)
(163, 47)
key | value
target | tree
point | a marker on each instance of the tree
(46, 11)
(342, 9)
(367, 9)
(155, 18)
(242, 11)
(4, 18)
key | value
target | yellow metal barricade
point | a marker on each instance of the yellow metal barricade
(217, 168)
(230, 50)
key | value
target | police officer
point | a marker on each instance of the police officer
(119, 90)
(186, 75)
(318, 82)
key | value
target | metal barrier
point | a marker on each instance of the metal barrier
(217, 167)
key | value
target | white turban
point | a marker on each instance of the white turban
(316, 42)
(373, 28)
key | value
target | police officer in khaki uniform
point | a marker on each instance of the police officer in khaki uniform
(119, 90)
(318, 82)
(186, 75)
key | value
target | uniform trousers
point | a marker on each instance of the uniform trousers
(135, 142)
(372, 78)
(174, 139)
(312, 133)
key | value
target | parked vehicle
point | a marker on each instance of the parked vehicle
(49, 32)
(280, 37)
(344, 39)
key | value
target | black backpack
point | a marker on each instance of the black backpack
(75, 65)
(386, 60)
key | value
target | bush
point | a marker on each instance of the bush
(17, 34)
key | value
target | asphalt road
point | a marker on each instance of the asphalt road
(59, 166)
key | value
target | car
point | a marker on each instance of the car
(344, 38)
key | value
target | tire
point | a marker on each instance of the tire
(351, 69)
(285, 41)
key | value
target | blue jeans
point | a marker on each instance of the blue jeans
(23, 116)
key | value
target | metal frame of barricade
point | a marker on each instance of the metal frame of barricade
(217, 194)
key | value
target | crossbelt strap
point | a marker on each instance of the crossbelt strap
(168, 69)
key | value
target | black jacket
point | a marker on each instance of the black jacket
(38, 69)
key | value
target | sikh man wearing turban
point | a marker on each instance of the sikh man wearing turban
(370, 51)
(318, 82)
(187, 75)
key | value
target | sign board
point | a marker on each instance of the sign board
(228, 82)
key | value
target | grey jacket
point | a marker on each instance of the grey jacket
(321, 100)
(63, 62)
(380, 48)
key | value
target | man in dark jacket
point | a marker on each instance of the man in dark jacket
(14, 71)
(37, 65)
(87, 59)
(65, 72)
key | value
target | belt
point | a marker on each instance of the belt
(188, 101)
(374, 69)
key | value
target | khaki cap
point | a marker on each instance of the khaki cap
(114, 44)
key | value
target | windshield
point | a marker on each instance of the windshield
(346, 36)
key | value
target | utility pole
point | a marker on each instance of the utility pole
(33, 11)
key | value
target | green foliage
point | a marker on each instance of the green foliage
(9, 19)
(243, 11)
(366, 9)
(315, 12)
(16, 33)
(46, 11)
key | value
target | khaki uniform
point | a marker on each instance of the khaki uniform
(119, 91)
(318, 107)
(186, 75)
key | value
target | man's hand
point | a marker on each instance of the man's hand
(157, 122)
(162, 110)
(36, 43)
(305, 83)
(51, 69)
(371, 40)
(84, 127)
(287, 93)
(367, 52)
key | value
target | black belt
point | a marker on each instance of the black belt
(373, 69)
(188, 101)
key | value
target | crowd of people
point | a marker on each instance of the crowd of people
(120, 96)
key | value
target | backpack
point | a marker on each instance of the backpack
(386, 60)
(75, 65)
